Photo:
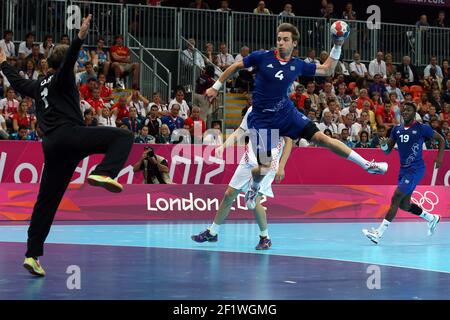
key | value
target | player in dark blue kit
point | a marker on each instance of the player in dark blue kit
(274, 115)
(409, 139)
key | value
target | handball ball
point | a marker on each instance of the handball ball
(340, 30)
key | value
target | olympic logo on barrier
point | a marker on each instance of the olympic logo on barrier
(425, 199)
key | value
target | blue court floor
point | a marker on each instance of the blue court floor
(160, 261)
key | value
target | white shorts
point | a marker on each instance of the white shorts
(243, 176)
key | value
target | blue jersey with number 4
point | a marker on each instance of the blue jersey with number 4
(410, 141)
(274, 77)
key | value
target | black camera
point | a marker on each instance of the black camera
(150, 153)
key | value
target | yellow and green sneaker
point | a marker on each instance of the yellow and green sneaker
(34, 267)
(105, 182)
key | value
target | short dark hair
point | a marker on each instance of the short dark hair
(22, 127)
(65, 35)
(412, 105)
(6, 32)
(29, 34)
(287, 27)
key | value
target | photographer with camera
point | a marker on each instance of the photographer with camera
(154, 167)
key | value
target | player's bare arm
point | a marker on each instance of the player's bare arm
(387, 144)
(214, 90)
(440, 156)
(284, 158)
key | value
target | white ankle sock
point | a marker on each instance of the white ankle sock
(383, 226)
(356, 158)
(264, 233)
(214, 229)
(427, 216)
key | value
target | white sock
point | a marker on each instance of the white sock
(264, 233)
(383, 226)
(427, 216)
(214, 229)
(356, 158)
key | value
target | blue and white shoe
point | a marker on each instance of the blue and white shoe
(372, 234)
(433, 224)
(377, 167)
(250, 198)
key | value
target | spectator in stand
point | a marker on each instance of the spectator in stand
(361, 83)
(141, 103)
(310, 94)
(400, 82)
(184, 111)
(195, 121)
(133, 122)
(100, 58)
(430, 114)
(408, 71)
(386, 116)
(214, 135)
(376, 101)
(7, 45)
(364, 141)
(345, 138)
(199, 4)
(378, 66)
(392, 87)
(209, 53)
(83, 58)
(9, 106)
(332, 106)
(245, 51)
(89, 119)
(105, 91)
(433, 64)
(326, 94)
(436, 100)
(395, 107)
(43, 68)
(350, 16)
(323, 8)
(224, 59)
(441, 22)
(107, 118)
(312, 116)
(46, 48)
(380, 133)
(327, 123)
(363, 97)
(96, 102)
(121, 63)
(163, 109)
(121, 110)
(423, 21)
(343, 69)
(64, 39)
(21, 135)
(424, 105)
(224, 6)
(433, 82)
(357, 68)
(86, 89)
(435, 125)
(363, 124)
(173, 121)
(190, 54)
(205, 81)
(30, 71)
(311, 57)
(347, 123)
(261, 8)
(445, 72)
(35, 55)
(378, 86)
(287, 12)
(329, 11)
(298, 98)
(25, 47)
(153, 122)
(144, 136)
(445, 113)
(446, 95)
(3, 129)
(164, 135)
(352, 109)
(22, 118)
(88, 73)
(391, 69)
(372, 118)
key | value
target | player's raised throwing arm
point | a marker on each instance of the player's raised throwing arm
(214, 90)
(327, 68)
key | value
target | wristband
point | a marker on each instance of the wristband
(217, 85)
(336, 52)
(384, 147)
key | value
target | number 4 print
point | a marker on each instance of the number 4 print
(279, 75)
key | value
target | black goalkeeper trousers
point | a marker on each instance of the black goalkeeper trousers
(63, 149)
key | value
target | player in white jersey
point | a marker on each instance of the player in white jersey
(241, 181)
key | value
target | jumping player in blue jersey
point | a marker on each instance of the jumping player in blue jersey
(274, 115)
(409, 139)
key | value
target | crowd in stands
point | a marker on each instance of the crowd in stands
(358, 105)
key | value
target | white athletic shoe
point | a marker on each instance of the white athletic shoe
(433, 224)
(372, 234)
(377, 167)
(250, 198)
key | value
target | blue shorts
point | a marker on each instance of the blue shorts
(267, 126)
(409, 178)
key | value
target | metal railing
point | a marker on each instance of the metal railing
(160, 28)
(154, 76)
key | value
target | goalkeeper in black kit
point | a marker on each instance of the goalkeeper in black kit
(66, 141)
